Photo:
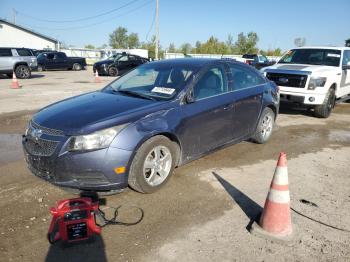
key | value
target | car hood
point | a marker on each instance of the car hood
(107, 61)
(308, 69)
(93, 111)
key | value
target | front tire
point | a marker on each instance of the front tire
(41, 68)
(324, 110)
(153, 164)
(265, 126)
(112, 71)
(22, 72)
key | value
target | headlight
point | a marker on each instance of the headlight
(96, 140)
(316, 82)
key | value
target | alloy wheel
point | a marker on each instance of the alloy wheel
(157, 165)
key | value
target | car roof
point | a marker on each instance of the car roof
(324, 47)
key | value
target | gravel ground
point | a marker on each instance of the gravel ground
(203, 212)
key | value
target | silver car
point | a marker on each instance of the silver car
(19, 60)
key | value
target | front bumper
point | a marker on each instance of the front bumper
(93, 170)
(100, 69)
(306, 98)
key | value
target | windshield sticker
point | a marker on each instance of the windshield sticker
(333, 55)
(163, 90)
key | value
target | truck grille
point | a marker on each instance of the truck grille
(289, 80)
(39, 146)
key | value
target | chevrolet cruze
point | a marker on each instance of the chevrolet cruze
(138, 128)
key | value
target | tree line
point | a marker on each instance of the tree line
(245, 44)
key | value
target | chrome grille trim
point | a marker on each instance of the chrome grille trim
(45, 130)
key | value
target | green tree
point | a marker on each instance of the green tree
(347, 42)
(133, 40)
(172, 48)
(104, 46)
(151, 47)
(272, 52)
(89, 46)
(247, 44)
(186, 48)
(119, 38)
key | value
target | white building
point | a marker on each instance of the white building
(12, 35)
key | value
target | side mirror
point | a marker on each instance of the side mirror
(189, 98)
(346, 67)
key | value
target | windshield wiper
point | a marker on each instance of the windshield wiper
(135, 94)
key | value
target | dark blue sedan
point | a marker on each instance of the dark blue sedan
(137, 129)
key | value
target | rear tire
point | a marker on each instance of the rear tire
(153, 164)
(22, 72)
(77, 67)
(265, 126)
(324, 110)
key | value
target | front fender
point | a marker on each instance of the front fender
(135, 134)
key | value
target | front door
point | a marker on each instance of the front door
(345, 79)
(207, 122)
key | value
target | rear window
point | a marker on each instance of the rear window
(24, 52)
(5, 52)
(247, 56)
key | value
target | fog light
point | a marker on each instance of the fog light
(311, 99)
(119, 170)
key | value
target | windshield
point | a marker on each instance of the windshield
(328, 57)
(154, 80)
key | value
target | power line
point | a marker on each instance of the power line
(101, 22)
(79, 19)
(150, 29)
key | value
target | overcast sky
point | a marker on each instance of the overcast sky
(277, 23)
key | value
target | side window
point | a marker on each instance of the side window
(212, 83)
(24, 52)
(346, 57)
(5, 52)
(244, 77)
(59, 56)
(132, 58)
(49, 56)
(123, 58)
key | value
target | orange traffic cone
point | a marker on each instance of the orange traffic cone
(15, 84)
(275, 219)
(97, 77)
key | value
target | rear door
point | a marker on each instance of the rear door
(6, 63)
(207, 121)
(248, 87)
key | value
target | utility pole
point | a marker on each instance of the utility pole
(157, 31)
(14, 13)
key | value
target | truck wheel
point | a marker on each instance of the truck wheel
(112, 71)
(77, 67)
(324, 110)
(153, 164)
(265, 126)
(22, 72)
(41, 68)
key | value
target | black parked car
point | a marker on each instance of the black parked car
(258, 61)
(118, 64)
(59, 60)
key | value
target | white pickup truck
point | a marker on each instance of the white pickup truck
(315, 77)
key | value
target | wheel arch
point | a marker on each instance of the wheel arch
(18, 64)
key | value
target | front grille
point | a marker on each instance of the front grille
(39, 146)
(45, 130)
(289, 80)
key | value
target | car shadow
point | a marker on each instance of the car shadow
(91, 250)
(248, 206)
(36, 76)
(32, 76)
(294, 110)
